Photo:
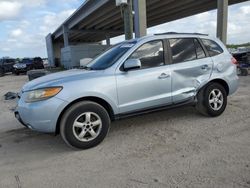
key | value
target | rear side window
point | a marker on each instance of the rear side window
(212, 47)
(186, 49)
(199, 51)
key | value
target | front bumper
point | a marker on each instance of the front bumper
(17, 70)
(41, 116)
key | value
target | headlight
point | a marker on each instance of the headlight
(41, 94)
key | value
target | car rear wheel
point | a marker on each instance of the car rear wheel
(212, 100)
(84, 125)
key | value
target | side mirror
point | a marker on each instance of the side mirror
(132, 64)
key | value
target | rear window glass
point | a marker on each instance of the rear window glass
(182, 49)
(212, 47)
(199, 51)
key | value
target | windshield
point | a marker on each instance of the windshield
(25, 61)
(109, 57)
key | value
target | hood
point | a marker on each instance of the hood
(58, 79)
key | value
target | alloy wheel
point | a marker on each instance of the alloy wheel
(216, 99)
(87, 126)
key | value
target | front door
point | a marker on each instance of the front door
(149, 86)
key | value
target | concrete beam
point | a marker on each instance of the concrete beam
(140, 18)
(222, 19)
(65, 36)
(94, 31)
(87, 8)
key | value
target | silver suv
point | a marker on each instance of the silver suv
(133, 77)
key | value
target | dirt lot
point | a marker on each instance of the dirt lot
(174, 148)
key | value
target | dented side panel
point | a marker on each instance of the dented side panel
(188, 77)
(225, 70)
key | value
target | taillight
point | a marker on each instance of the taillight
(234, 61)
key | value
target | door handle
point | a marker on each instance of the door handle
(204, 67)
(164, 75)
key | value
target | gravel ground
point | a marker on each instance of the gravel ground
(173, 148)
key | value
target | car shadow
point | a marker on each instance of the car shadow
(150, 119)
(26, 140)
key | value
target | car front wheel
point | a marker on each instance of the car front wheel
(212, 100)
(84, 125)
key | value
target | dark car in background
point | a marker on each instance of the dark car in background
(243, 59)
(6, 65)
(38, 63)
(27, 64)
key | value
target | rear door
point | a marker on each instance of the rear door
(190, 67)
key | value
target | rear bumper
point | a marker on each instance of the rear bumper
(233, 84)
(40, 116)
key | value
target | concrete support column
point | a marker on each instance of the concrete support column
(140, 18)
(107, 39)
(222, 19)
(128, 20)
(65, 36)
(50, 50)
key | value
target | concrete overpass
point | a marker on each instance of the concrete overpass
(97, 20)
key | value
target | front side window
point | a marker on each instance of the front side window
(150, 54)
(212, 47)
(183, 49)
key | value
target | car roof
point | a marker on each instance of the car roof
(175, 35)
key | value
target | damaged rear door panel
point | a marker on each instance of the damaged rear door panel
(191, 67)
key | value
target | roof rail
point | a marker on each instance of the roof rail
(175, 33)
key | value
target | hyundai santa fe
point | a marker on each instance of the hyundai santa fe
(133, 77)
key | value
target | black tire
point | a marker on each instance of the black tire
(68, 131)
(244, 72)
(204, 107)
(1, 72)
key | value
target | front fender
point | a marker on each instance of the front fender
(104, 89)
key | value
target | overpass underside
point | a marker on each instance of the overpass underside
(97, 20)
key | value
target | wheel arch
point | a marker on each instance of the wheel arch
(97, 100)
(219, 81)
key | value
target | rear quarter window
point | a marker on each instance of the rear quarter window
(212, 47)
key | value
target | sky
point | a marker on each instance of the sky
(24, 24)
